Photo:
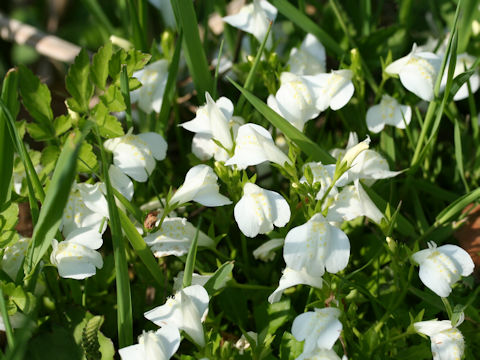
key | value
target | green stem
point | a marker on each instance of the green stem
(6, 321)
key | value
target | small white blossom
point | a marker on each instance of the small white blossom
(296, 98)
(135, 154)
(254, 18)
(388, 112)
(309, 59)
(443, 266)
(212, 120)
(154, 79)
(266, 251)
(200, 185)
(186, 311)
(320, 329)
(321, 354)
(254, 145)
(336, 89)
(175, 237)
(291, 277)
(121, 182)
(447, 341)
(76, 257)
(259, 209)
(316, 246)
(159, 345)
(418, 72)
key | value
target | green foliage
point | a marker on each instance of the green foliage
(78, 83)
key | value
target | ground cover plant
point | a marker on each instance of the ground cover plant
(244, 180)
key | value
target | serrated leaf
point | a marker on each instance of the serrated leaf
(38, 133)
(36, 98)
(49, 155)
(62, 124)
(115, 64)
(78, 83)
(99, 69)
(113, 99)
(108, 125)
(87, 160)
(9, 217)
(136, 60)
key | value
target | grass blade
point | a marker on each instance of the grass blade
(192, 254)
(171, 82)
(140, 247)
(459, 154)
(304, 22)
(124, 300)
(126, 96)
(9, 97)
(456, 207)
(307, 145)
(193, 48)
(6, 321)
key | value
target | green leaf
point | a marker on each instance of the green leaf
(49, 156)
(62, 124)
(54, 204)
(303, 142)
(306, 24)
(108, 125)
(25, 301)
(115, 63)
(136, 60)
(140, 247)
(9, 97)
(191, 256)
(8, 221)
(78, 83)
(99, 69)
(459, 153)
(193, 47)
(38, 132)
(87, 160)
(290, 348)
(220, 278)
(113, 99)
(456, 207)
(36, 98)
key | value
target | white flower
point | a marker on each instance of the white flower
(316, 246)
(309, 59)
(388, 112)
(200, 185)
(13, 256)
(259, 209)
(154, 79)
(321, 354)
(159, 345)
(243, 343)
(254, 145)
(213, 120)
(205, 148)
(336, 89)
(320, 329)
(86, 208)
(186, 311)
(254, 18)
(418, 72)
(354, 151)
(447, 341)
(197, 279)
(368, 165)
(76, 257)
(135, 154)
(266, 251)
(174, 238)
(443, 266)
(464, 63)
(296, 99)
(351, 203)
(121, 182)
(291, 277)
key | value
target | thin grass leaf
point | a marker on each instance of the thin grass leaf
(305, 144)
(220, 278)
(459, 153)
(171, 82)
(126, 96)
(137, 31)
(6, 321)
(9, 97)
(455, 208)
(140, 247)
(132, 209)
(124, 300)
(193, 48)
(304, 22)
(191, 256)
(470, 12)
(215, 78)
(55, 201)
(96, 10)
